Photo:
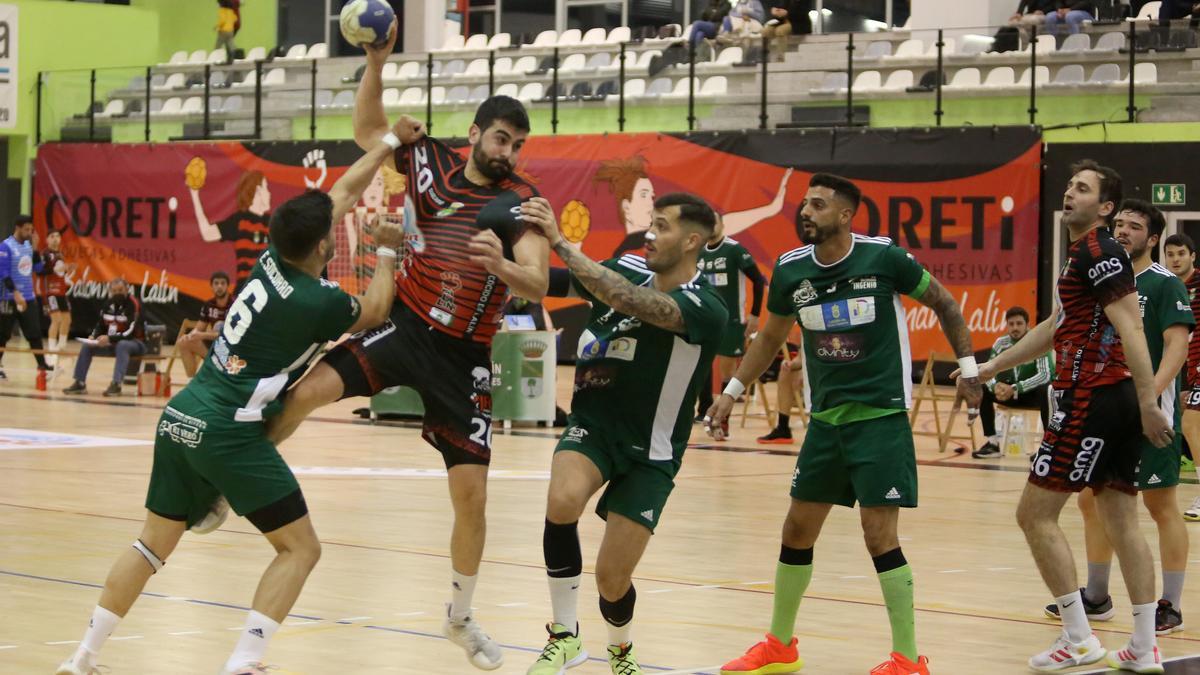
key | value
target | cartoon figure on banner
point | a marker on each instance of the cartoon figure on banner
(629, 181)
(247, 226)
(376, 201)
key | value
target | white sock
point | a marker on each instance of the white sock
(995, 440)
(1074, 620)
(618, 636)
(253, 641)
(463, 591)
(1143, 639)
(101, 626)
(564, 598)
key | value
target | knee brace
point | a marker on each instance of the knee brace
(156, 563)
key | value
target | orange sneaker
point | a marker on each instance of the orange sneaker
(898, 664)
(768, 657)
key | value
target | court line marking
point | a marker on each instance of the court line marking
(1104, 671)
(186, 632)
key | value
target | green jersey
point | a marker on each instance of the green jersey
(1163, 299)
(279, 320)
(856, 356)
(638, 382)
(725, 269)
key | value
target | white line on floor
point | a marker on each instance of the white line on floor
(950, 571)
(689, 670)
(8, 646)
(302, 623)
(128, 637)
(409, 613)
(174, 597)
(753, 583)
(355, 618)
(1000, 569)
(512, 604)
(187, 632)
(853, 576)
(64, 642)
(661, 590)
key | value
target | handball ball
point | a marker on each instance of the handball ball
(196, 173)
(575, 221)
(366, 22)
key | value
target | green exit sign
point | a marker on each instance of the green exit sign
(1169, 194)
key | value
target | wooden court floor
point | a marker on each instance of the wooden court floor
(375, 601)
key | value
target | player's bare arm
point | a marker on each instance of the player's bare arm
(349, 188)
(1036, 342)
(649, 305)
(370, 121)
(527, 274)
(954, 326)
(1175, 346)
(1126, 316)
(376, 303)
(759, 355)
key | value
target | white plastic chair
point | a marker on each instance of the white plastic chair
(832, 83)
(248, 81)
(899, 80)
(618, 35)
(633, 88)
(1145, 73)
(114, 107)
(868, 80)
(478, 41)
(412, 96)
(1077, 42)
(877, 50)
(198, 57)
(1046, 44)
(532, 91)
(275, 76)
(1003, 76)
(1110, 42)
(343, 99)
(500, 41)
(475, 68)
(255, 54)
(546, 38)
(194, 105)
(569, 37)
(1069, 74)
(234, 104)
(573, 62)
(908, 49)
(594, 36)
(296, 52)
(217, 56)
(391, 96)
(408, 70)
(524, 65)
(1106, 73)
(509, 89)
(1149, 11)
(1043, 77)
(171, 106)
(728, 56)
(964, 78)
(178, 58)
(437, 95)
(174, 81)
(453, 43)
(458, 94)
(318, 51)
(717, 85)
(503, 66)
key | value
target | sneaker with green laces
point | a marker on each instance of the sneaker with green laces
(564, 650)
(622, 660)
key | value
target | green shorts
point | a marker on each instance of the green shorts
(733, 340)
(1159, 467)
(196, 459)
(872, 462)
(638, 486)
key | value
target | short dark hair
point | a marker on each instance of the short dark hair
(1016, 311)
(505, 108)
(1180, 239)
(219, 274)
(692, 209)
(22, 220)
(301, 223)
(840, 186)
(1154, 217)
(1110, 183)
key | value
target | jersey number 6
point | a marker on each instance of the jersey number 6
(241, 315)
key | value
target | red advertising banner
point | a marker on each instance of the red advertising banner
(166, 216)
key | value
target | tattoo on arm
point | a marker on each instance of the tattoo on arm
(653, 307)
(938, 299)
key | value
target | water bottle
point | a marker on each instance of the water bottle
(1016, 434)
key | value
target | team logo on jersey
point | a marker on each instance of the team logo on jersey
(719, 264)
(25, 265)
(481, 379)
(450, 210)
(621, 349)
(575, 435)
(804, 294)
(1180, 306)
(868, 283)
(234, 365)
(1142, 305)
(839, 348)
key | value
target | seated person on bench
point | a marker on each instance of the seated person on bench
(119, 333)
(194, 346)
(1022, 387)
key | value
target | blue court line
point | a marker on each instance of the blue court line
(213, 603)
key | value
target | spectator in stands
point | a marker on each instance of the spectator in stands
(788, 17)
(746, 18)
(229, 22)
(119, 333)
(710, 20)
(194, 346)
(19, 260)
(1179, 9)
(1032, 13)
(1026, 386)
(1071, 12)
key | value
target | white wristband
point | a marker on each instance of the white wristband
(386, 252)
(734, 388)
(391, 139)
(968, 367)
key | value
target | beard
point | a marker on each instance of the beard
(810, 232)
(495, 170)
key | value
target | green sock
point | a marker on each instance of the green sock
(897, 587)
(790, 583)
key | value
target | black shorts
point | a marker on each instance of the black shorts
(1093, 440)
(57, 303)
(452, 375)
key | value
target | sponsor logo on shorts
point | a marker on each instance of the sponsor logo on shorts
(1104, 269)
(622, 349)
(648, 515)
(1154, 479)
(892, 494)
(839, 348)
(575, 435)
(795, 476)
(234, 364)
(481, 379)
(593, 377)
(1085, 459)
(868, 283)
(179, 432)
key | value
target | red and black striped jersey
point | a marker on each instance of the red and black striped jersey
(1192, 370)
(250, 234)
(53, 282)
(1088, 351)
(436, 277)
(212, 313)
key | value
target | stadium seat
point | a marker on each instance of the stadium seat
(275, 76)
(452, 68)
(1046, 44)
(389, 71)
(318, 51)
(343, 99)
(1068, 75)
(964, 78)
(607, 88)
(1149, 11)
(580, 91)
(458, 94)
(1077, 42)
(729, 56)
(217, 56)
(295, 53)
(247, 81)
(599, 60)
(1110, 42)
(412, 96)
(255, 54)
(643, 61)
(218, 79)
(158, 81)
(546, 38)
(500, 41)
(717, 85)
(171, 106)
(569, 37)
(1003, 76)
(1145, 73)
(178, 58)
(594, 36)
(908, 49)
(974, 45)
(948, 47)
(525, 64)
(618, 35)
(198, 57)
(503, 66)
(680, 90)
(877, 50)
(234, 104)
(453, 43)
(833, 82)
(173, 81)
(408, 70)
(475, 68)
(532, 91)
(1106, 73)
(633, 88)
(114, 107)
(215, 103)
(1043, 77)
(509, 89)
(658, 87)
(391, 96)
(899, 80)
(573, 62)
(868, 80)
(437, 95)
(478, 94)
(156, 105)
(477, 42)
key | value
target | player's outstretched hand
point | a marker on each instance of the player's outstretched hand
(971, 392)
(716, 420)
(540, 214)
(378, 55)
(389, 232)
(986, 372)
(487, 251)
(409, 129)
(1155, 426)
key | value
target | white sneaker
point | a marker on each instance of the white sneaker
(1065, 654)
(1192, 514)
(68, 667)
(1125, 659)
(217, 514)
(482, 651)
(248, 669)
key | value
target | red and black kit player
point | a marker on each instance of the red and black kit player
(1104, 388)
(1179, 255)
(472, 249)
(54, 292)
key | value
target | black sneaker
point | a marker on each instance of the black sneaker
(2, 375)
(1095, 611)
(76, 387)
(987, 451)
(48, 368)
(114, 389)
(777, 437)
(1167, 619)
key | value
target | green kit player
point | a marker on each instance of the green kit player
(211, 444)
(844, 290)
(654, 329)
(1167, 321)
(727, 265)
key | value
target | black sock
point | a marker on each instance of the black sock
(560, 546)
(785, 422)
